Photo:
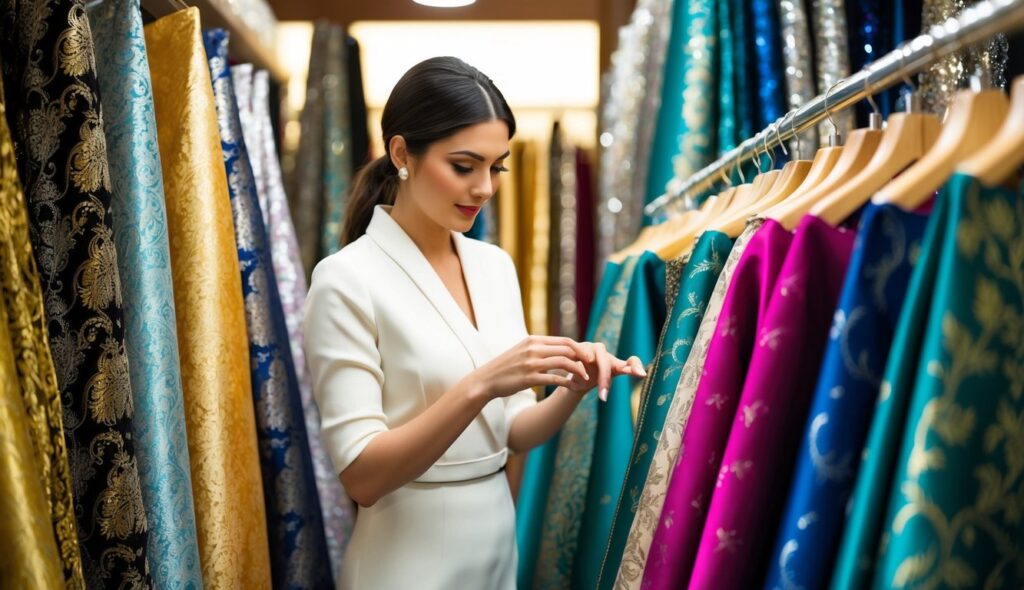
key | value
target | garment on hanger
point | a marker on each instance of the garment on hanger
(726, 60)
(770, 71)
(958, 469)
(689, 283)
(220, 424)
(833, 58)
(144, 262)
(753, 479)
(337, 142)
(62, 162)
(870, 25)
(844, 398)
(49, 527)
(644, 315)
(652, 497)
(796, 55)
(573, 458)
(298, 555)
(674, 546)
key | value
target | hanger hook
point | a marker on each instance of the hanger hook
(903, 68)
(777, 124)
(828, 112)
(739, 169)
(792, 126)
(768, 152)
(867, 92)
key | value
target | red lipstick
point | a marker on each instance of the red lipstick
(468, 211)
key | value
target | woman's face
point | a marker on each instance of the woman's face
(457, 175)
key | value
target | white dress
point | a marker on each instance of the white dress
(384, 340)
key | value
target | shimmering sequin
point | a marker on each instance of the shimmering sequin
(796, 53)
(833, 57)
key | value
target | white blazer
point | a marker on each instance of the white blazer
(385, 339)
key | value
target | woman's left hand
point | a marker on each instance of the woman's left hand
(600, 367)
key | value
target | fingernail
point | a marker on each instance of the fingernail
(586, 376)
(642, 372)
(603, 394)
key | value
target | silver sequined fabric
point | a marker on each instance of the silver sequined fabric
(796, 52)
(830, 41)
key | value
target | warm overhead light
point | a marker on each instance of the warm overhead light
(445, 3)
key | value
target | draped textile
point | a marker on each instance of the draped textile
(306, 195)
(675, 543)
(337, 142)
(870, 29)
(754, 474)
(567, 495)
(586, 242)
(770, 71)
(221, 428)
(291, 281)
(689, 285)
(726, 135)
(844, 398)
(652, 497)
(954, 506)
(144, 262)
(540, 464)
(360, 132)
(638, 336)
(298, 547)
(746, 84)
(37, 409)
(56, 121)
(833, 56)
(796, 55)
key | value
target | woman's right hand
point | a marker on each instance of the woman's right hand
(527, 364)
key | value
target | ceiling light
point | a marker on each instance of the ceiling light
(445, 3)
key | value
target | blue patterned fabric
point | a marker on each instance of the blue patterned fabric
(771, 73)
(844, 400)
(298, 547)
(642, 319)
(144, 263)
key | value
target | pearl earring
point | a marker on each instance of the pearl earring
(403, 173)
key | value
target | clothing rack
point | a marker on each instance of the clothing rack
(974, 24)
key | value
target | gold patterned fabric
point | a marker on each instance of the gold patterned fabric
(652, 498)
(38, 535)
(53, 104)
(212, 340)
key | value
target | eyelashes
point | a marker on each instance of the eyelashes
(466, 170)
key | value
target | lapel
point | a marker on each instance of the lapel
(393, 240)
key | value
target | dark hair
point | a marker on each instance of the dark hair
(433, 100)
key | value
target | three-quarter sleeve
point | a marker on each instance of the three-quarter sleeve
(345, 363)
(517, 402)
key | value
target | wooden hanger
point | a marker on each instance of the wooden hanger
(997, 162)
(974, 119)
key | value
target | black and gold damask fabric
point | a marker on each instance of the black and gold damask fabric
(24, 325)
(53, 106)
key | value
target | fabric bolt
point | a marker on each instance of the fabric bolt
(573, 459)
(638, 336)
(338, 511)
(689, 286)
(743, 54)
(663, 461)
(796, 55)
(771, 75)
(833, 57)
(851, 372)
(144, 262)
(869, 28)
(781, 376)
(555, 149)
(955, 501)
(676, 540)
(306, 195)
(726, 135)
(540, 465)
(586, 241)
(38, 407)
(360, 132)
(219, 419)
(60, 147)
(298, 547)
(337, 141)
(568, 243)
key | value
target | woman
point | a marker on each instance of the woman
(416, 339)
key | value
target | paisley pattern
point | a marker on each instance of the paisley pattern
(674, 546)
(638, 336)
(689, 284)
(663, 461)
(298, 555)
(566, 498)
(337, 142)
(956, 501)
(144, 262)
(754, 473)
(53, 103)
(226, 487)
(38, 407)
(258, 132)
(862, 328)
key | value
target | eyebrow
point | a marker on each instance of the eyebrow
(477, 156)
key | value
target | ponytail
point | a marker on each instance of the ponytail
(376, 184)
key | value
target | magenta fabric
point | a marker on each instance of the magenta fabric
(675, 542)
(755, 471)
